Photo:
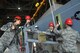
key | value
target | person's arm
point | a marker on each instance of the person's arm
(7, 27)
(58, 32)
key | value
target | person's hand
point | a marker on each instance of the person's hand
(57, 25)
(13, 27)
(60, 40)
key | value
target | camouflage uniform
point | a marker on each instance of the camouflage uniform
(9, 39)
(70, 37)
(49, 47)
(27, 27)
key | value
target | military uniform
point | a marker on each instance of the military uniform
(70, 37)
(27, 27)
(49, 47)
(9, 39)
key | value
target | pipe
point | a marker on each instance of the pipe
(38, 9)
(51, 7)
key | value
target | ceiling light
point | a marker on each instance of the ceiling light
(8, 17)
(19, 8)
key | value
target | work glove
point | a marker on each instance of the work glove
(60, 40)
